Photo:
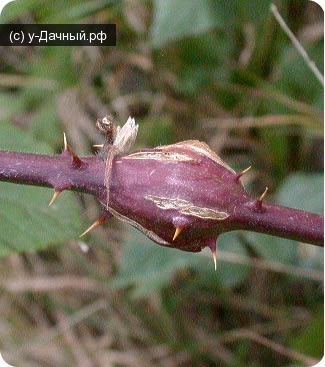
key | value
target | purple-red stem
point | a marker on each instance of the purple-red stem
(285, 222)
(61, 172)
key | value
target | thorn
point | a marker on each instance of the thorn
(97, 223)
(264, 194)
(67, 147)
(55, 196)
(98, 145)
(65, 142)
(240, 174)
(178, 231)
(259, 201)
(213, 248)
(214, 255)
(76, 161)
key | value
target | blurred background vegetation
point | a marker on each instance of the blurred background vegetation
(219, 71)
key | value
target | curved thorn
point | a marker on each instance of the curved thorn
(264, 194)
(178, 231)
(97, 223)
(65, 142)
(76, 161)
(240, 174)
(213, 248)
(214, 255)
(55, 196)
(259, 201)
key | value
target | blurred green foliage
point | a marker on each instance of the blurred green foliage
(23, 208)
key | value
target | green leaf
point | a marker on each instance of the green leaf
(59, 11)
(51, 131)
(11, 104)
(147, 265)
(175, 19)
(311, 340)
(156, 131)
(231, 274)
(80, 10)
(302, 191)
(15, 139)
(26, 221)
(272, 248)
(295, 77)
(276, 142)
(150, 267)
(299, 191)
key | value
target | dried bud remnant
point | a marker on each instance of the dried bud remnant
(118, 140)
(107, 127)
(125, 136)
